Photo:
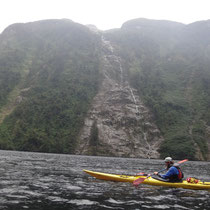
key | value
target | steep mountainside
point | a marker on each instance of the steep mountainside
(123, 124)
(50, 73)
(139, 91)
(169, 66)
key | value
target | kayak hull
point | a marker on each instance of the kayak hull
(149, 180)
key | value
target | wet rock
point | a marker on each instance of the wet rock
(125, 125)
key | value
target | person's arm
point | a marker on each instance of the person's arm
(169, 173)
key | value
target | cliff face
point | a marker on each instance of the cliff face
(139, 91)
(125, 125)
(158, 63)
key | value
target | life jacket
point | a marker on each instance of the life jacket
(178, 177)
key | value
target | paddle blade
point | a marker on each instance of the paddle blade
(182, 161)
(138, 181)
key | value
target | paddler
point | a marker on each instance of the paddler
(174, 173)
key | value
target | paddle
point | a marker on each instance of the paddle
(182, 161)
(144, 174)
(141, 179)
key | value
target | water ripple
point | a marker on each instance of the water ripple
(41, 181)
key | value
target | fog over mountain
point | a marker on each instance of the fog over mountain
(142, 90)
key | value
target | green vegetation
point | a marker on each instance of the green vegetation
(94, 139)
(55, 67)
(171, 72)
(178, 146)
(63, 77)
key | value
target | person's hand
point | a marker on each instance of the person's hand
(156, 173)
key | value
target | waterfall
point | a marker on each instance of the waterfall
(121, 71)
(134, 100)
(149, 146)
(107, 45)
(122, 119)
(112, 57)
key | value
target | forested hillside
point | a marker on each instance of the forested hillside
(53, 68)
(169, 64)
(50, 72)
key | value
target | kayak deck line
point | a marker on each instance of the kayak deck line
(135, 175)
(149, 180)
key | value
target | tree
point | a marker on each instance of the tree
(94, 140)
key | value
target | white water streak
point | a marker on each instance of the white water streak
(121, 71)
(115, 58)
(134, 99)
(107, 44)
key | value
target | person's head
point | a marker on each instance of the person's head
(169, 162)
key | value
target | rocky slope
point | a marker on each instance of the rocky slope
(125, 125)
(139, 91)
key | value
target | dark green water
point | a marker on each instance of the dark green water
(48, 181)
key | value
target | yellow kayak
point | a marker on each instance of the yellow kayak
(149, 180)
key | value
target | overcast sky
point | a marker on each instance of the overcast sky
(105, 14)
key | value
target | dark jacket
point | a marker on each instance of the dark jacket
(173, 174)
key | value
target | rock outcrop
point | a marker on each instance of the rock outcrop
(125, 125)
